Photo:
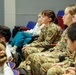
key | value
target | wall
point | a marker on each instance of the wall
(1, 12)
(27, 10)
(22, 11)
(9, 13)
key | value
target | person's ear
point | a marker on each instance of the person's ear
(74, 18)
(75, 43)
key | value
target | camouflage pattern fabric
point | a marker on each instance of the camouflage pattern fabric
(75, 61)
(55, 71)
(48, 35)
(47, 66)
(44, 68)
(67, 74)
(44, 60)
(58, 49)
(35, 58)
(35, 64)
(62, 44)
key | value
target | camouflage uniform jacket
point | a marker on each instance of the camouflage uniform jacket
(48, 35)
(75, 62)
(62, 44)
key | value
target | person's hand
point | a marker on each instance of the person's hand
(3, 57)
(58, 64)
(2, 53)
(25, 46)
(10, 58)
(70, 70)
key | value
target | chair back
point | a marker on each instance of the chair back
(12, 65)
(59, 17)
(16, 72)
(31, 24)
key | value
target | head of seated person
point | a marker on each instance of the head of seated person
(5, 33)
(3, 56)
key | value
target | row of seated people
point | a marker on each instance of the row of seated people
(7, 63)
(40, 60)
(50, 33)
(30, 35)
(6, 66)
(50, 27)
(27, 36)
(53, 31)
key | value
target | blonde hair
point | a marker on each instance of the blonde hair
(72, 9)
(3, 56)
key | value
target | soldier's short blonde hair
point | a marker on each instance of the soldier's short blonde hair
(72, 9)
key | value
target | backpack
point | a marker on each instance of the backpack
(15, 30)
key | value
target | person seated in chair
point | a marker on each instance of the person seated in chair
(4, 66)
(5, 35)
(24, 37)
(50, 34)
(42, 60)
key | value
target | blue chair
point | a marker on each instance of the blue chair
(60, 21)
(12, 65)
(31, 24)
(16, 72)
(60, 13)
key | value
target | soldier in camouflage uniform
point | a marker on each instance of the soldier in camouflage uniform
(50, 33)
(44, 67)
(71, 69)
(63, 45)
(66, 67)
(37, 59)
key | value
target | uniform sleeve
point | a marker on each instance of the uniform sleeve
(48, 37)
(39, 40)
(51, 35)
(62, 44)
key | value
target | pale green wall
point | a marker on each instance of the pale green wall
(27, 10)
(1, 12)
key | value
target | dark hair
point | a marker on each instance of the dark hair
(71, 32)
(5, 32)
(50, 14)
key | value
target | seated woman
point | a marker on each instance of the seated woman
(5, 35)
(58, 69)
(4, 67)
(50, 34)
(24, 37)
(39, 59)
